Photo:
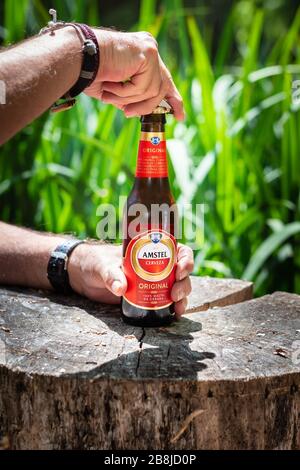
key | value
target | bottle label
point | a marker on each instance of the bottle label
(152, 156)
(149, 266)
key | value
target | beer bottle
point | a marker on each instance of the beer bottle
(149, 224)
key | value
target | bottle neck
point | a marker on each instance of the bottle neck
(152, 154)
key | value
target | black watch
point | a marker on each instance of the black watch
(57, 266)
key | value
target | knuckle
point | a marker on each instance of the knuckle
(151, 49)
(149, 37)
(141, 57)
(150, 44)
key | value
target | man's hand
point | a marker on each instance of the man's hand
(94, 269)
(39, 71)
(95, 272)
(132, 75)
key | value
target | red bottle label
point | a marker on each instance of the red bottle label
(152, 156)
(149, 266)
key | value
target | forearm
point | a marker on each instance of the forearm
(36, 73)
(24, 256)
(94, 269)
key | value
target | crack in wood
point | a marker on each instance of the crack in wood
(140, 350)
(144, 388)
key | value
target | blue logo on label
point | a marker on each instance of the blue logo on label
(156, 237)
(155, 140)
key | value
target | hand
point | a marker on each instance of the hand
(131, 74)
(95, 272)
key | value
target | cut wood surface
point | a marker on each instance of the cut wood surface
(210, 292)
(74, 376)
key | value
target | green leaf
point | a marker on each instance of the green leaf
(268, 248)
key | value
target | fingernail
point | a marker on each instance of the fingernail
(116, 286)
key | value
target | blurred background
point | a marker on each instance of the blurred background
(236, 64)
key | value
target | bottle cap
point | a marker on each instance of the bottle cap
(163, 108)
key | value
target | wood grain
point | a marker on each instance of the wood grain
(210, 292)
(74, 376)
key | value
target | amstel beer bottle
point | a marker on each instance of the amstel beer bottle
(149, 224)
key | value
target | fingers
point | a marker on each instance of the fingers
(144, 107)
(114, 279)
(146, 88)
(132, 75)
(179, 293)
(124, 90)
(111, 98)
(185, 262)
(175, 101)
(147, 95)
(142, 85)
(147, 102)
(138, 89)
(180, 306)
(172, 95)
(181, 289)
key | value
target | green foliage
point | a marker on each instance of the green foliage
(238, 150)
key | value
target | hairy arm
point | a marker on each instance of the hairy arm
(94, 269)
(36, 73)
(24, 255)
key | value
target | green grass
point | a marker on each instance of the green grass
(238, 150)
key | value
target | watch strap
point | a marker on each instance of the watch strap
(57, 266)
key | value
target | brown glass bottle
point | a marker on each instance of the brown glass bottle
(149, 246)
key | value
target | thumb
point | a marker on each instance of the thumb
(114, 280)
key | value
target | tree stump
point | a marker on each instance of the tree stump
(74, 376)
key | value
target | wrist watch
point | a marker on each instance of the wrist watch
(57, 266)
